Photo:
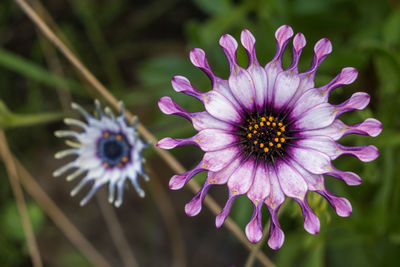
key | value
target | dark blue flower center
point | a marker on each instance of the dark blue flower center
(264, 137)
(113, 149)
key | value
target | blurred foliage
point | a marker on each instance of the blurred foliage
(136, 48)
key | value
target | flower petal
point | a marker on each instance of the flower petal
(183, 85)
(203, 120)
(207, 140)
(349, 178)
(309, 99)
(257, 73)
(276, 196)
(217, 160)
(253, 228)
(311, 221)
(178, 181)
(220, 219)
(261, 187)
(221, 108)
(312, 160)
(358, 101)
(168, 106)
(282, 36)
(341, 205)
(299, 42)
(194, 206)
(276, 235)
(321, 143)
(198, 58)
(345, 77)
(363, 153)
(240, 81)
(285, 87)
(222, 176)
(315, 118)
(291, 182)
(241, 180)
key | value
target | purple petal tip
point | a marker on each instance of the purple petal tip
(284, 33)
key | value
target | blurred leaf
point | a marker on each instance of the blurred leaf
(305, 7)
(86, 12)
(160, 70)
(391, 28)
(9, 119)
(73, 258)
(214, 7)
(26, 68)
(11, 220)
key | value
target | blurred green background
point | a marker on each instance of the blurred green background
(135, 47)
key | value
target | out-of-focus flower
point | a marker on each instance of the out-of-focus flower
(269, 133)
(109, 151)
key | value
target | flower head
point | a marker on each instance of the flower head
(109, 151)
(269, 133)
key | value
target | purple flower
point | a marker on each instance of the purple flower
(108, 151)
(267, 132)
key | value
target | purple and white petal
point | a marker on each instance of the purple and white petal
(341, 205)
(282, 36)
(207, 140)
(315, 118)
(217, 160)
(179, 180)
(221, 108)
(241, 180)
(220, 219)
(203, 120)
(222, 176)
(168, 106)
(349, 178)
(254, 228)
(240, 81)
(311, 221)
(194, 206)
(357, 101)
(183, 85)
(291, 182)
(312, 160)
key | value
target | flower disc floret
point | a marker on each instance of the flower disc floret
(269, 132)
(264, 137)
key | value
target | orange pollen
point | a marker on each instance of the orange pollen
(278, 145)
(119, 137)
(274, 124)
(282, 139)
(106, 134)
(263, 119)
(278, 133)
(261, 145)
(249, 135)
(106, 164)
(261, 124)
(120, 164)
(271, 144)
(125, 159)
(280, 124)
(255, 142)
(266, 149)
